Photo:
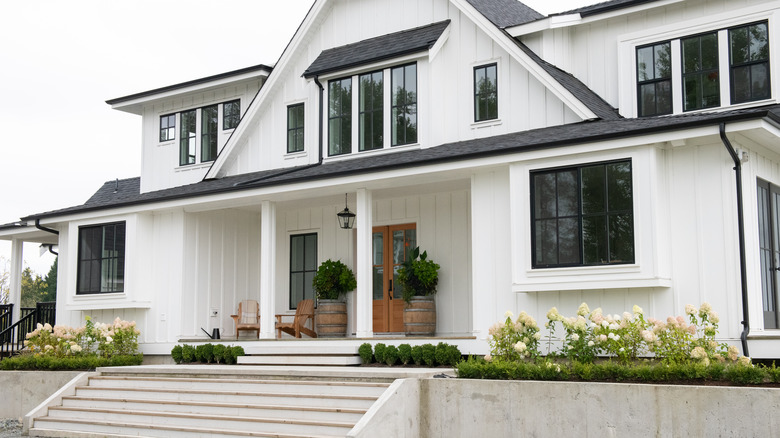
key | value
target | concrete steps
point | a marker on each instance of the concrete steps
(127, 404)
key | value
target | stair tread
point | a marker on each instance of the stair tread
(260, 381)
(239, 393)
(200, 416)
(222, 404)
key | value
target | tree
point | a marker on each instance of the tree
(51, 282)
(33, 288)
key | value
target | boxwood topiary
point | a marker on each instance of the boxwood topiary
(405, 353)
(366, 353)
(379, 352)
(391, 355)
(176, 354)
(417, 355)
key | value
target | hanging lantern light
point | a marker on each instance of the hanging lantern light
(346, 217)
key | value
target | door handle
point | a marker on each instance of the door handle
(390, 288)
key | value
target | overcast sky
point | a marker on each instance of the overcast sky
(61, 60)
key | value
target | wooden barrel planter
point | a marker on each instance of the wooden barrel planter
(331, 318)
(420, 316)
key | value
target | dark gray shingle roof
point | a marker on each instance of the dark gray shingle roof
(603, 7)
(557, 136)
(506, 13)
(376, 49)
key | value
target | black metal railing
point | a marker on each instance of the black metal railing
(6, 318)
(13, 337)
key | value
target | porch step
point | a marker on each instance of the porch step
(318, 360)
(127, 404)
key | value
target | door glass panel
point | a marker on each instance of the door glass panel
(378, 265)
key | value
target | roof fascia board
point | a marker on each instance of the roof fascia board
(122, 103)
(252, 112)
(568, 20)
(503, 39)
(436, 48)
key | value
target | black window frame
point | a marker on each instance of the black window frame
(482, 97)
(230, 119)
(407, 107)
(750, 64)
(577, 215)
(700, 74)
(371, 113)
(209, 137)
(187, 143)
(296, 128)
(303, 271)
(655, 82)
(87, 262)
(341, 115)
(168, 129)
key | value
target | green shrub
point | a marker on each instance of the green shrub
(219, 353)
(333, 280)
(232, 353)
(187, 353)
(391, 355)
(379, 352)
(366, 353)
(453, 355)
(52, 363)
(774, 373)
(417, 355)
(204, 353)
(176, 354)
(429, 354)
(440, 354)
(405, 353)
(746, 374)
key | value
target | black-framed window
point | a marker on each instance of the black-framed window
(485, 92)
(231, 114)
(403, 107)
(749, 62)
(700, 70)
(187, 137)
(768, 203)
(340, 116)
(303, 265)
(168, 127)
(371, 111)
(654, 79)
(101, 260)
(209, 117)
(295, 125)
(582, 215)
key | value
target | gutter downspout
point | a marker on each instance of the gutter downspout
(741, 230)
(48, 230)
(319, 159)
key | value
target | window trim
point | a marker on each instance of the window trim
(372, 112)
(341, 116)
(478, 96)
(120, 258)
(732, 67)
(654, 81)
(416, 103)
(213, 135)
(168, 128)
(701, 72)
(225, 114)
(301, 127)
(293, 305)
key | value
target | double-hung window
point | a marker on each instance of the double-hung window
(654, 73)
(208, 133)
(582, 215)
(187, 137)
(167, 127)
(749, 52)
(101, 259)
(404, 105)
(340, 116)
(701, 83)
(231, 114)
(295, 124)
(303, 265)
(371, 111)
(485, 93)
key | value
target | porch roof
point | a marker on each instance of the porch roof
(122, 193)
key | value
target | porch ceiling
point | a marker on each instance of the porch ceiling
(27, 233)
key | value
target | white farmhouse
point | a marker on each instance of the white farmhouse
(622, 153)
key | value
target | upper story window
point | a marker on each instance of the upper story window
(199, 133)
(485, 93)
(697, 66)
(371, 111)
(231, 114)
(582, 215)
(295, 124)
(404, 105)
(749, 52)
(654, 73)
(340, 116)
(101, 259)
(167, 127)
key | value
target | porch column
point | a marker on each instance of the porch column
(267, 269)
(17, 263)
(364, 301)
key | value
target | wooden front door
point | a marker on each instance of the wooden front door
(391, 246)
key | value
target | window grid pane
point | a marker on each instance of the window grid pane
(303, 265)
(340, 116)
(654, 82)
(485, 93)
(295, 126)
(371, 111)
(101, 259)
(187, 138)
(231, 114)
(168, 127)
(404, 105)
(208, 136)
(749, 52)
(701, 81)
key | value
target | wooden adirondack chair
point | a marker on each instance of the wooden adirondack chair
(304, 312)
(248, 317)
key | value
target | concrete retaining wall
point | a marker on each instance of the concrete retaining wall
(24, 390)
(487, 408)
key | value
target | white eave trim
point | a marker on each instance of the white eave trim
(558, 21)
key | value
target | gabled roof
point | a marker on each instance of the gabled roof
(506, 13)
(377, 49)
(124, 193)
(604, 7)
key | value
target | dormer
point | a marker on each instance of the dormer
(186, 125)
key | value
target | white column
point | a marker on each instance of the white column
(17, 263)
(364, 301)
(267, 270)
